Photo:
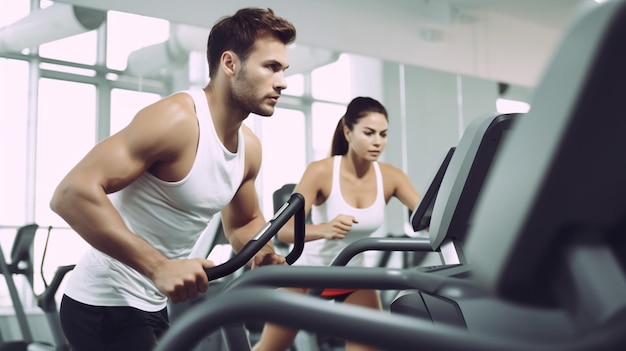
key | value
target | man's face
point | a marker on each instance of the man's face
(259, 81)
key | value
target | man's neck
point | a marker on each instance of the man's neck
(227, 119)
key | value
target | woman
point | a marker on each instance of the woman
(347, 194)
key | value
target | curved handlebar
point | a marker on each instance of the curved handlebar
(293, 207)
(46, 301)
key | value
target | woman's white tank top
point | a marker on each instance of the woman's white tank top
(321, 252)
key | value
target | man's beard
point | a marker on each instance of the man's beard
(245, 98)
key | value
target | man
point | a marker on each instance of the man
(143, 196)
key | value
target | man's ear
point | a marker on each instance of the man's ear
(229, 63)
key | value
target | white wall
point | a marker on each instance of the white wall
(435, 120)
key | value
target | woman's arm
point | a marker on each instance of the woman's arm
(315, 186)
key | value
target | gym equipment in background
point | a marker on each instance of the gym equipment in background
(21, 263)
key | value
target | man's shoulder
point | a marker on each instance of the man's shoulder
(170, 122)
(181, 101)
(172, 112)
(252, 146)
(249, 137)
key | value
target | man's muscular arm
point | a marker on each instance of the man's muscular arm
(159, 134)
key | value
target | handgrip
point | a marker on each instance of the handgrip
(293, 207)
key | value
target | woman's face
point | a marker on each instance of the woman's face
(368, 136)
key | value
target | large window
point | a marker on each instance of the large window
(125, 104)
(284, 152)
(13, 154)
(13, 10)
(295, 85)
(13, 140)
(332, 84)
(65, 132)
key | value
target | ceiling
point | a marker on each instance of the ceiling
(484, 38)
(549, 13)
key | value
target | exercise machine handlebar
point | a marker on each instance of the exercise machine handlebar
(293, 207)
(46, 301)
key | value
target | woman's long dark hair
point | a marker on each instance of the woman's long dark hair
(357, 109)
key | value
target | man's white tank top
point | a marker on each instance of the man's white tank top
(321, 252)
(169, 215)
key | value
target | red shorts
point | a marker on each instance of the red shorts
(336, 294)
